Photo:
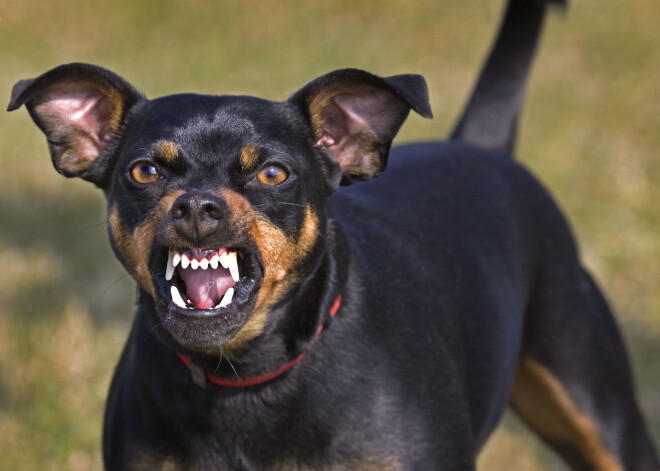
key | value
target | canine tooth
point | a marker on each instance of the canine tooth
(224, 260)
(176, 297)
(214, 261)
(233, 266)
(194, 264)
(176, 259)
(226, 299)
(185, 261)
(170, 267)
(204, 264)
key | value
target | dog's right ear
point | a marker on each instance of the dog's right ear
(80, 108)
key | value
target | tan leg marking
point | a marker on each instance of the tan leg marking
(541, 400)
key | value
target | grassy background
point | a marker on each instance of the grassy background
(591, 129)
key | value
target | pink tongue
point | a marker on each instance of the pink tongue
(205, 288)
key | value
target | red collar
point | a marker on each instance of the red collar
(201, 377)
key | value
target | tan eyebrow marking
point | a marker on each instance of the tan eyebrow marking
(250, 156)
(167, 150)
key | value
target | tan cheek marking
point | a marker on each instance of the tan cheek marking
(250, 157)
(541, 400)
(309, 232)
(280, 256)
(167, 150)
(136, 246)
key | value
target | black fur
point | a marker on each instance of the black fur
(454, 268)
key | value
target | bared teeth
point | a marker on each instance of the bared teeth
(224, 260)
(228, 260)
(176, 297)
(169, 272)
(214, 261)
(185, 261)
(226, 299)
(233, 265)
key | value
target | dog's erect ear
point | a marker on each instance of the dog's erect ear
(355, 115)
(80, 108)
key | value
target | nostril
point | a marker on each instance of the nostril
(179, 211)
(213, 211)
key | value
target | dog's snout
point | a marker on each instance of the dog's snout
(197, 215)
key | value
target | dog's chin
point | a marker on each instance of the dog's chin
(206, 295)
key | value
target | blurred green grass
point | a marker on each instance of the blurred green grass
(591, 130)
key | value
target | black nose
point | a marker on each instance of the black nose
(198, 215)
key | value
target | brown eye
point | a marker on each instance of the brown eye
(272, 175)
(144, 172)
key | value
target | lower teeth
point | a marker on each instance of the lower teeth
(176, 297)
(226, 299)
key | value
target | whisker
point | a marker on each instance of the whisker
(151, 331)
(232, 366)
(280, 202)
(114, 283)
(92, 226)
(217, 368)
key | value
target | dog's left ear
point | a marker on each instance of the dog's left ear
(80, 108)
(355, 115)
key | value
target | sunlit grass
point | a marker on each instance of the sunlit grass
(590, 130)
(55, 375)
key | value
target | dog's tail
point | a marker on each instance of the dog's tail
(489, 120)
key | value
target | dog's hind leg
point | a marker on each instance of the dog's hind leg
(573, 384)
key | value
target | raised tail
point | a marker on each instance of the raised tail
(489, 120)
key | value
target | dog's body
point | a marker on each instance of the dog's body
(383, 328)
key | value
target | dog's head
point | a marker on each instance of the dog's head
(216, 204)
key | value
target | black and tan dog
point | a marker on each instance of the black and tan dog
(289, 321)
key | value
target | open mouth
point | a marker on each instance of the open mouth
(207, 282)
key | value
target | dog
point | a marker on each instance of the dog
(297, 313)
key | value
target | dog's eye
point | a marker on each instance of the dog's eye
(272, 175)
(144, 172)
